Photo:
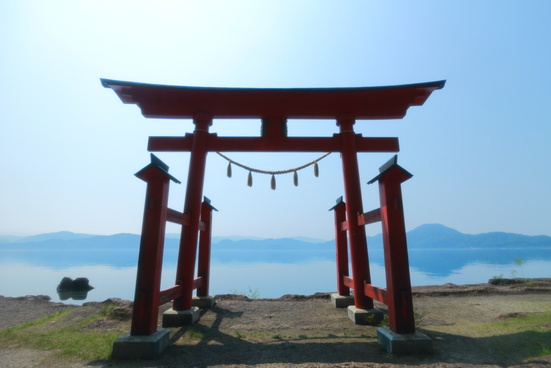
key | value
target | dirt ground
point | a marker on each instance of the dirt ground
(307, 331)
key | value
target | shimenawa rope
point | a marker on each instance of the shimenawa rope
(273, 173)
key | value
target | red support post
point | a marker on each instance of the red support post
(203, 267)
(341, 247)
(354, 207)
(148, 280)
(192, 208)
(398, 283)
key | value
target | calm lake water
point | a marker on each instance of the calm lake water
(268, 273)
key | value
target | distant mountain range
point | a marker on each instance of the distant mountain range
(429, 236)
(433, 248)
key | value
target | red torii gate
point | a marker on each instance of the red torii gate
(273, 107)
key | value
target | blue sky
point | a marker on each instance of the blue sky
(479, 149)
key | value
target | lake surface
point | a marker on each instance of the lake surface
(270, 274)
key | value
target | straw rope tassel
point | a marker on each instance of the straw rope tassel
(273, 173)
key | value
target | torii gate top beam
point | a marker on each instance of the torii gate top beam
(179, 102)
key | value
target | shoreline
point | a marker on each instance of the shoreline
(463, 321)
(508, 286)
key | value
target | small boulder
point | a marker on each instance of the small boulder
(79, 284)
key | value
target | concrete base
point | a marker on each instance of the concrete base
(203, 301)
(365, 316)
(396, 343)
(141, 347)
(173, 318)
(341, 301)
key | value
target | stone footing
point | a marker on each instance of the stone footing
(141, 347)
(342, 301)
(173, 318)
(415, 343)
(203, 302)
(365, 316)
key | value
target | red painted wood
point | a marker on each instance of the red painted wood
(273, 144)
(148, 280)
(197, 282)
(346, 105)
(370, 217)
(203, 263)
(376, 293)
(170, 293)
(192, 207)
(161, 101)
(400, 311)
(353, 194)
(341, 246)
(348, 281)
(177, 217)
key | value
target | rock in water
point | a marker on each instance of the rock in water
(79, 284)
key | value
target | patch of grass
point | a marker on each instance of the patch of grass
(105, 310)
(194, 334)
(523, 321)
(524, 335)
(350, 333)
(419, 316)
(50, 318)
(251, 293)
(239, 335)
(68, 341)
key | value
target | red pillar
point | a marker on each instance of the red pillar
(192, 208)
(354, 207)
(341, 246)
(203, 267)
(398, 283)
(148, 280)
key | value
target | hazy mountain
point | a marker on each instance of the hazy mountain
(433, 248)
(436, 236)
(60, 235)
(9, 238)
(429, 236)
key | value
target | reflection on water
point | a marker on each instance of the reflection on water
(272, 280)
(75, 295)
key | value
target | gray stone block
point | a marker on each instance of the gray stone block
(414, 343)
(141, 347)
(173, 318)
(365, 316)
(203, 302)
(341, 301)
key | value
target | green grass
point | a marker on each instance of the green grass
(194, 334)
(251, 293)
(527, 336)
(69, 341)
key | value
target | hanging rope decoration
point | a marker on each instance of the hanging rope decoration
(273, 173)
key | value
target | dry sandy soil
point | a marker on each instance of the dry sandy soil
(307, 331)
